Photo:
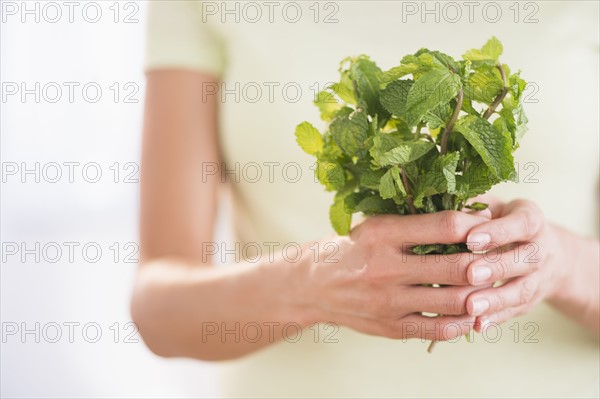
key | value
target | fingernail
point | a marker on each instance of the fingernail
(480, 306)
(481, 274)
(478, 240)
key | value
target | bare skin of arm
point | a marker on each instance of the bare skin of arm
(177, 292)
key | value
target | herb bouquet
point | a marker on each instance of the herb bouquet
(424, 136)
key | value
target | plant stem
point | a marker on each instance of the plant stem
(418, 130)
(409, 198)
(451, 122)
(498, 100)
(431, 346)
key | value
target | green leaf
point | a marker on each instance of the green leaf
(439, 178)
(438, 116)
(516, 86)
(373, 204)
(394, 96)
(388, 150)
(387, 189)
(345, 88)
(490, 51)
(493, 145)
(443, 60)
(477, 206)
(331, 175)
(350, 132)
(484, 85)
(328, 105)
(340, 220)
(417, 64)
(365, 73)
(447, 249)
(476, 180)
(400, 71)
(435, 88)
(371, 178)
(309, 138)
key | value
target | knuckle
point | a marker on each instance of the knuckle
(503, 268)
(452, 223)
(455, 272)
(369, 232)
(457, 303)
(534, 265)
(531, 217)
(526, 292)
(501, 233)
(498, 302)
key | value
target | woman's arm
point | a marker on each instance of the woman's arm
(178, 296)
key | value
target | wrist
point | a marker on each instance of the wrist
(559, 257)
(290, 288)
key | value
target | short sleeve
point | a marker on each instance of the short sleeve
(177, 37)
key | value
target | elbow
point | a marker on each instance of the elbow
(149, 319)
(169, 326)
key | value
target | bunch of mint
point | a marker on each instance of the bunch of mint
(424, 136)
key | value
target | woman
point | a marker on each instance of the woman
(220, 98)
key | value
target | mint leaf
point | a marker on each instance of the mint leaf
(438, 116)
(345, 88)
(436, 87)
(484, 85)
(328, 105)
(387, 188)
(396, 143)
(373, 204)
(350, 132)
(365, 73)
(493, 145)
(371, 178)
(443, 60)
(340, 220)
(331, 175)
(440, 178)
(394, 96)
(309, 138)
(490, 51)
(387, 152)
(400, 71)
(477, 206)
(476, 180)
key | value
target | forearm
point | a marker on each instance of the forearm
(578, 291)
(216, 313)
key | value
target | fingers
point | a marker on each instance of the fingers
(442, 300)
(405, 231)
(449, 269)
(520, 261)
(520, 221)
(518, 292)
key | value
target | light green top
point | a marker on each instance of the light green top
(558, 165)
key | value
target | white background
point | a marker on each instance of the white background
(105, 212)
